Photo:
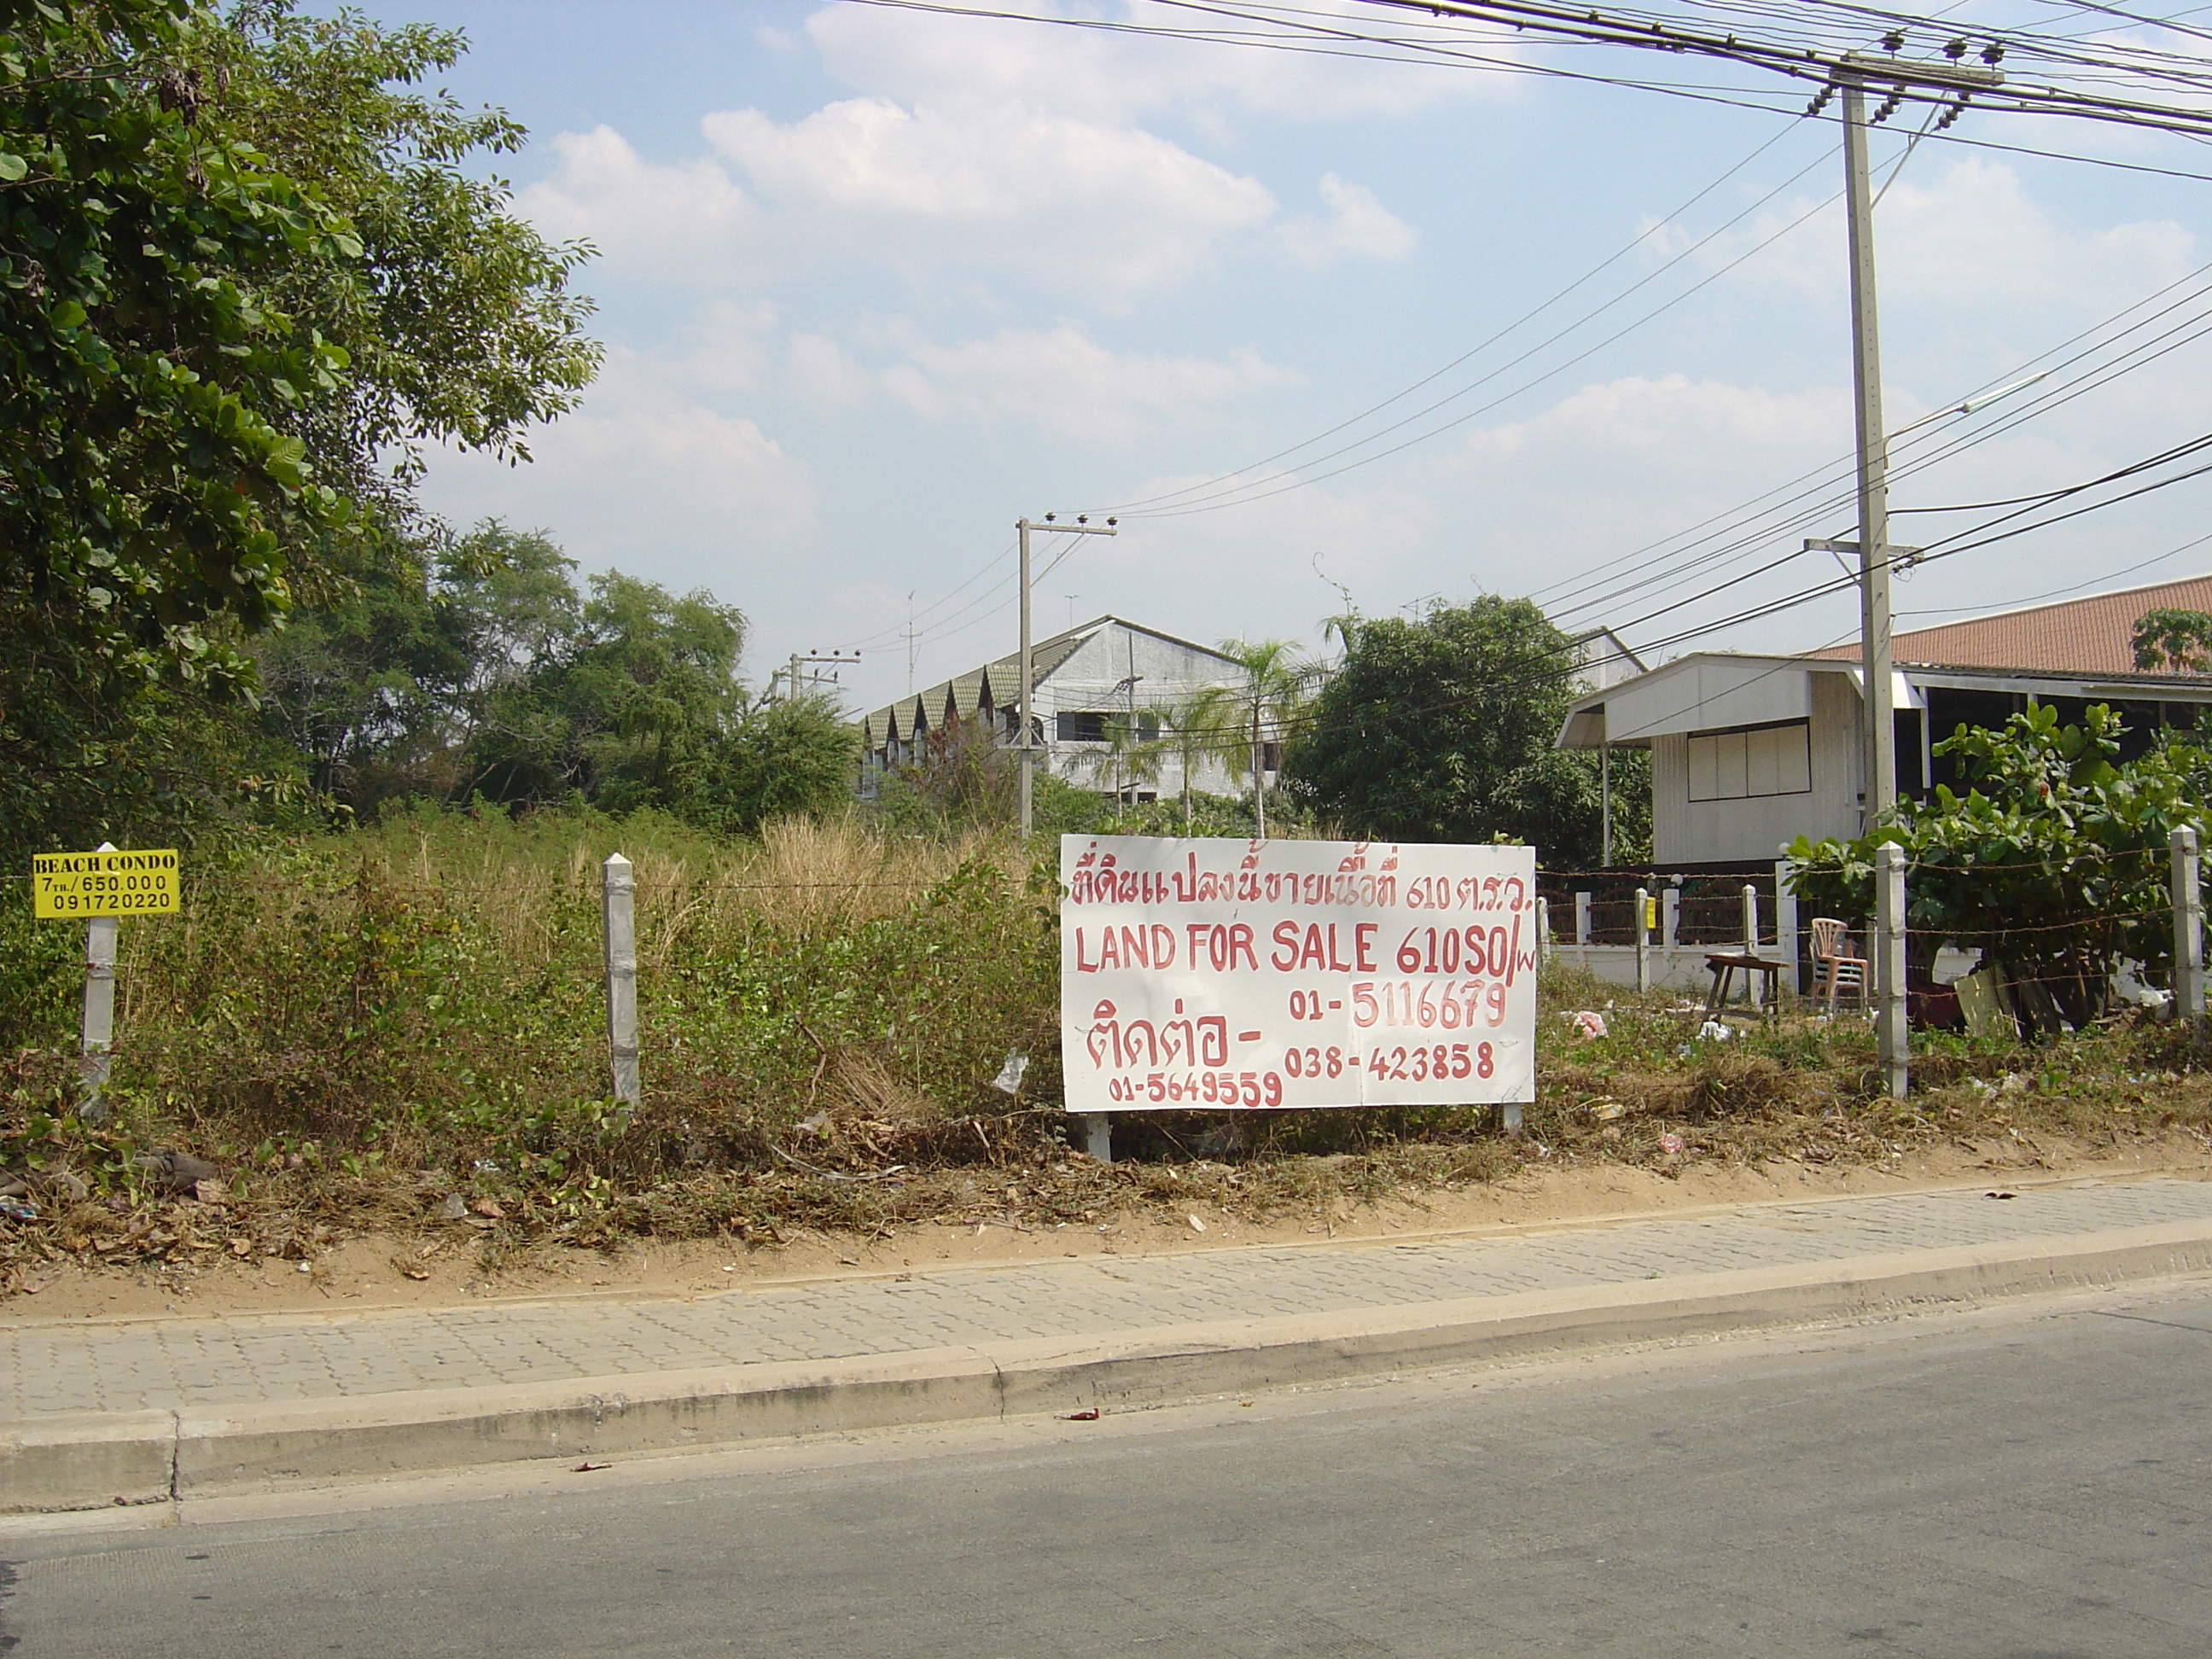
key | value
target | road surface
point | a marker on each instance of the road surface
(2023, 1482)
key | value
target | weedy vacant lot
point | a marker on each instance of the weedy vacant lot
(402, 1030)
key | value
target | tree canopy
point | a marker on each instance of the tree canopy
(2177, 641)
(1443, 729)
(241, 265)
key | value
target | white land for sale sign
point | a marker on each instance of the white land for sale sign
(1230, 974)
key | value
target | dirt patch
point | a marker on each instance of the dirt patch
(459, 1266)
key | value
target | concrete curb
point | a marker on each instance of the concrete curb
(81, 1460)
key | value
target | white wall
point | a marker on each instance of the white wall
(1690, 833)
(1086, 681)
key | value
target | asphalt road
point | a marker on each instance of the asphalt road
(2028, 1482)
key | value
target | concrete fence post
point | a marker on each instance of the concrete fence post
(99, 1034)
(1642, 939)
(1670, 920)
(618, 892)
(1890, 1029)
(1583, 926)
(1543, 932)
(1785, 924)
(1751, 940)
(2188, 933)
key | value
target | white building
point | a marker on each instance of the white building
(1106, 670)
(1749, 752)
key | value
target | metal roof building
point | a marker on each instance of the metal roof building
(1751, 751)
(1105, 669)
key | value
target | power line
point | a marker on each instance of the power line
(1279, 487)
(1752, 525)
(1961, 543)
(1137, 507)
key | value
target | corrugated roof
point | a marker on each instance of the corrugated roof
(2094, 635)
(997, 682)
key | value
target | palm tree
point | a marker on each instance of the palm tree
(1203, 723)
(1276, 684)
(1125, 758)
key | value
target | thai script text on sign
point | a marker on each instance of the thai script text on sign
(110, 884)
(1223, 973)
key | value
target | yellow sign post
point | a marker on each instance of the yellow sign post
(96, 888)
(71, 886)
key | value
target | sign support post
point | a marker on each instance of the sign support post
(98, 1035)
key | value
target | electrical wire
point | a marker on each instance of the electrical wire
(1965, 541)
(1750, 525)
(2054, 99)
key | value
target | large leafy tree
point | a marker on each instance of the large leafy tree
(458, 324)
(626, 710)
(794, 757)
(382, 689)
(145, 463)
(240, 262)
(1443, 729)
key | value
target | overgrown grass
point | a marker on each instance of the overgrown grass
(374, 1031)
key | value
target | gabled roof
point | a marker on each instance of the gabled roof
(2093, 634)
(995, 684)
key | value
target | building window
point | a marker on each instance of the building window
(1083, 726)
(1764, 759)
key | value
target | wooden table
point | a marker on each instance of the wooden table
(1753, 969)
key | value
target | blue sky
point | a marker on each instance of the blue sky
(874, 284)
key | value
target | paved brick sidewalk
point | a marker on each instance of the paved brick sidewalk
(169, 1363)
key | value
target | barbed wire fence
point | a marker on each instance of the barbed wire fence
(1668, 927)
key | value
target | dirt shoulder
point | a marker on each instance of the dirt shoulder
(392, 1271)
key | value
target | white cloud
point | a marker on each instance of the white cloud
(1101, 211)
(681, 223)
(1110, 76)
(1669, 417)
(645, 478)
(1968, 234)
(824, 374)
(726, 346)
(1975, 233)
(1065, 383)
(1357, 224)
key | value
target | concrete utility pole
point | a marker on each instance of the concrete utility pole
(1875, 551)
(837, 658)
(1875, 554)
(1881, 740)
(1026, 740)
